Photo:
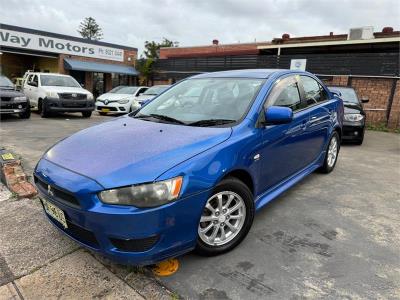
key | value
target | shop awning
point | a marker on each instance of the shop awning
(72, 64)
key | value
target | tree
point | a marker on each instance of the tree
(152, 49)
(151, 54)
(89, 29)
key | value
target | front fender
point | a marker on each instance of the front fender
(203, 171)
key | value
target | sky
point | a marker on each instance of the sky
(198, 22)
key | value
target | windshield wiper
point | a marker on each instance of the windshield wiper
(168, 119)
(211, 122)
(161, 117)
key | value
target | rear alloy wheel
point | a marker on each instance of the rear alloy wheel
(226, 218)
(331, 154)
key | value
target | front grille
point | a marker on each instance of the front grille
(135, 245)
(57, 193)
(5, 98)
(72, 96)
(74, 104)
(111, 108)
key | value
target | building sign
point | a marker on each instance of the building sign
(38, 42)
(298, 64)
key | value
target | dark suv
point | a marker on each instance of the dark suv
(12, 101)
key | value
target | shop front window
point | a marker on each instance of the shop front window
(98, 84)
(119, 79)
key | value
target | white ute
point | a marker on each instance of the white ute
(51, 92)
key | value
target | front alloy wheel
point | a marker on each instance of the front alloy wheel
(226, 218)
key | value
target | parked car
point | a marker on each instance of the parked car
(120, 100)
(354, 114)
(178, 176)
(51, 92)
(151, 93)
(13, 101)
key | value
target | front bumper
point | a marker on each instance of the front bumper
(12, 107)
(116, 108)
(68, 105)
(154, 234)
(353, 131)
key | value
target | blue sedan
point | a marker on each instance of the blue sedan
(190, 169)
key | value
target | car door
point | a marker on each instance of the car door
(285, 146)
(34, 89)
(27, 87)
(321, 112)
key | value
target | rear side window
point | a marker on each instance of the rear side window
(285, 93)
(313, 91)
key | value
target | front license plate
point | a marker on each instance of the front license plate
(105, 110)
(55, 212)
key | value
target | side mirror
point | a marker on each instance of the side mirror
(364, 99)
(275, 115)
(33, 83)
(336, 93)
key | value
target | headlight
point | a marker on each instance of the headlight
(21, 98)
(52, 94)
(144, 195)
(90, 96)
(353, 117)
(123, 101)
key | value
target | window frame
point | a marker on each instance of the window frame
(303, 94)
(290, 76)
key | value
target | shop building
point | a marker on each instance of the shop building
(364, 59)
(97, 65)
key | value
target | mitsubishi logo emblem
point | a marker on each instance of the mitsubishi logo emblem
(49, 191)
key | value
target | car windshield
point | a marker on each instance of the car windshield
(155, 90)
(53, 80)
(348, 95)
(204, 102)
(5, 82)
(124, 90)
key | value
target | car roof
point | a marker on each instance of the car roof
(247, 73)
(339, 87)
(45, 73)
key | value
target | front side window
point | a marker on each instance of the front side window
(33, 80)
(313, 91)
(205, 99)
(54, 80)
(285, 93)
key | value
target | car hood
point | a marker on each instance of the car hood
(65, 89)
(10, 93)
(352, 108)
(114, 96)
(145, 97)
(127, 151)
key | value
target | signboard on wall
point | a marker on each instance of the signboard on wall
(45, 43)
(298, 64)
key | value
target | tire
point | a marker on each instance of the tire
(229, 188)
(44, 111)
(329, 165)
(27, 113)
(86, 114)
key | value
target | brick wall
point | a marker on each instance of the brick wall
(378, 92)
(394, 118)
